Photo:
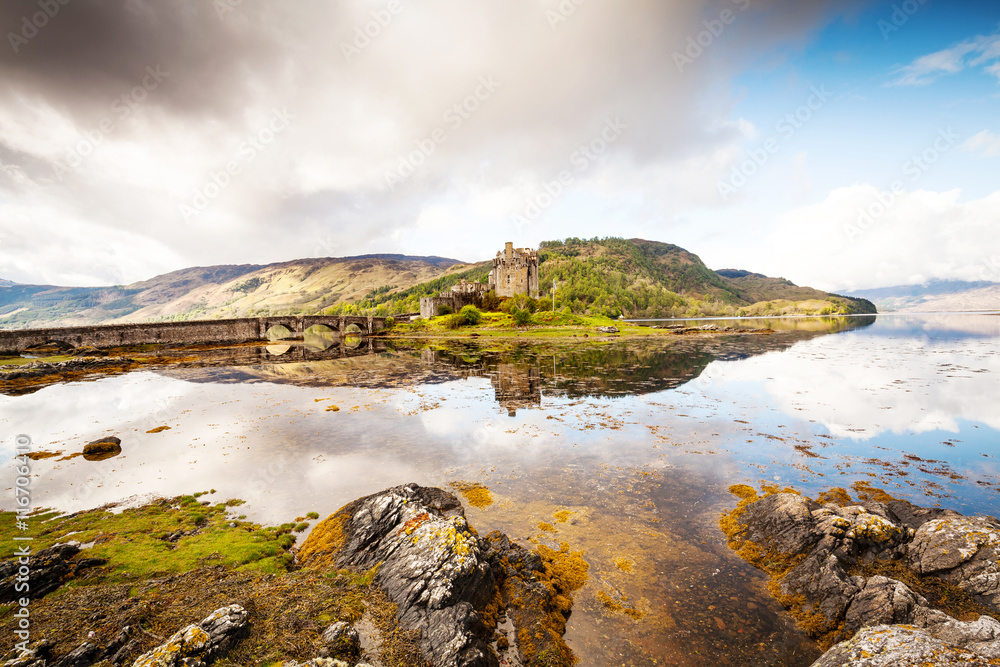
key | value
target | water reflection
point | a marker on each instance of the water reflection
(621, 448)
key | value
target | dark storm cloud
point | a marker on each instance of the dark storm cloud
(362, 96)
(90, 52)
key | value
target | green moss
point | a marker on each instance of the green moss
(135, 545)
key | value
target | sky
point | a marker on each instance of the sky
(842, 144)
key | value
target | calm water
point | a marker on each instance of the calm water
(637, 439)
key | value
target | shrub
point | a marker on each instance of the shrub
(453, 321)
(444, 310)
(522, 316)
(390, 322)
(491, 302)
(471, 314)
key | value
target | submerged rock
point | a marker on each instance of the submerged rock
(202, 644)
(448, 583)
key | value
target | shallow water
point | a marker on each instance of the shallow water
(620, 448)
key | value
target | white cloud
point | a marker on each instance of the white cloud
(986, 142)
(973, 52)
(850, 244)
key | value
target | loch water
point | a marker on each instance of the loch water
(622, 448)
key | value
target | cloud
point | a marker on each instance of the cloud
(861, 236)
(92, 151)
(970, 53)
(986, 143)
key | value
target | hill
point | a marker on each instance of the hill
(634, 277)
(935, 296)
(299, 286)
(640, 278)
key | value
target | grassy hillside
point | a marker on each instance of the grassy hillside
(639, 278)
(609, 277)
(302, 286)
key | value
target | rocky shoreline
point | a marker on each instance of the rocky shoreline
(879, 580)
(396, 578)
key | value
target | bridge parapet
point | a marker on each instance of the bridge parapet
(240, 330)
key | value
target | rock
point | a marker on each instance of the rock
(608, 330)
(105, 448)
(782, 521)
(898, 646)
(432, 566)
(961, 550)
(84, 655)
(341, 641)
(448, 583)
(811, 550)
(37, 655)
(882, 601)
(48, 570)
(202, 644)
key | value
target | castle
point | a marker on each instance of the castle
(515, 271)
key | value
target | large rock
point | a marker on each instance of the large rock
(899, 646)
(105, 448)
(433, 566)
(811, 551)
(200, 645)
(783, 522)
(961, 550)
(47, 570)
(448, 583)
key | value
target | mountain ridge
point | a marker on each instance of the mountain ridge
(630, 277)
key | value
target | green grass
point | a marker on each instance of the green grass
(20, 361)
(133, 540)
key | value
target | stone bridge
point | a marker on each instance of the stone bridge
(189, 332)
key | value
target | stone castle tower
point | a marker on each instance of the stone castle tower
(515, 271)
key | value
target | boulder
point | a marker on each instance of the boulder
(340, 640)
(961, 550)
(105, 448)
(899, 646)
(200, 645)
(812, 550)
(49, 569)
(450, 584)
(433, 566)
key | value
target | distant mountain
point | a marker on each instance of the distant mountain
(298, 286)
(640, 278)
(634, 277)
(935, 296)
